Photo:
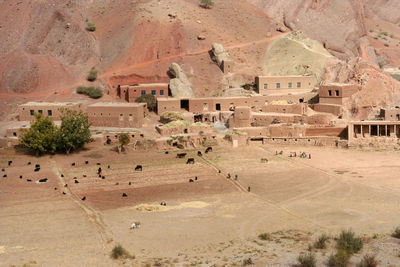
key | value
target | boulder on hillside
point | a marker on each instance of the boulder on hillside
(179, 83)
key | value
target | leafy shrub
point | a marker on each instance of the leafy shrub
(396, 77)
(92, 75)
(386, 44)
(320, 243)
(396, 232)
(368, 261)
(149, 99)
(92, 92)
(340, 259)
(206, 3)
(307, 260)
(119, 252)
(264, 236)
(349, 243)
(91, 26)
(384, 33)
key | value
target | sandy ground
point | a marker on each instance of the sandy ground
(213, 220)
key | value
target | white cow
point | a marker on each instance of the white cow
(135, 225)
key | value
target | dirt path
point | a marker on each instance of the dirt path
(94, 216)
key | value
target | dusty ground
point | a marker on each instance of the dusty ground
(211, 221)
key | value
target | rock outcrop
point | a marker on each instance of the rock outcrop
(179, 83)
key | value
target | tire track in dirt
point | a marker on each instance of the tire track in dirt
(94, 216)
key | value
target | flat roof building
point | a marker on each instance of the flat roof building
(113, 114)
(131, 92)
(270, 84)
(52, 110)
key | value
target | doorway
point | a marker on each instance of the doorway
(185, 104)
(218, 106)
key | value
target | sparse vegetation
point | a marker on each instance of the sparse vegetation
(171, 116)
(368, 261)
(320, 243)
(340, 259)
(349, 243)
(396, 232)
(92, 75)
(124, 140)
(307, 260)
(386, 44)
(92, 92)
(396, 76)
(206, 3)
(384, 33)
(264, 236)
(118, 252)
(149, 99)
(91, 26)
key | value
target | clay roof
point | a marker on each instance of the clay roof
(116, 104)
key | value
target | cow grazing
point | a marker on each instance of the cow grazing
(195, 178)
(20, 177)
(124, 195)
(98, 163)
(28, 180)
(84, 198)
(248, 189)
(84, 175)
(209, 149)
(236, 177)
(62, 175)
(3, 170)
(180, 155)
(75, 178)
(129, 183)
(108, 166)
(86, 162)
(29, 163)
(103, 177)
(5, 175)
(36, 169)
(37, 165)
(190, 161)
(163, 203)
(55, 188)
(9, 162)
(116, 183)
(228, 176)
(191, 181)
(199, 154)
(166, 152)
(66, 185)
(63, 193)
(135, 225)
(138, 168)
(73, 164)
(219, 171)
(76, 181)
(99, 170)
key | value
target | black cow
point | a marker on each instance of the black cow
(44, 180)
(37, 165)
(98, 163)
(9, 162)
(209, 149)
(66, 185)
(84, 176)
(124, 195)
(63, 193)
(190, 161)
(76, 181)
(29, 163)
(55, 188)
(195, 178)
(75, 178)
(3, 170)
(116, 183)
(86, 162)
(191, 181)
(5, 175)
(129, 183)
(248, 189)
(20, 177)
(138, 168)
(236, 177)
(73, 164)
(108, 166)
(166, 152)
(28, 180)
(103, 177)
(163, 203)
(84, 198)
(62, 175)
(99, 170)
(36, 169)
(228, 176)
(180, 155)
(199, 154)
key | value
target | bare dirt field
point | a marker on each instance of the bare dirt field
(213, 220)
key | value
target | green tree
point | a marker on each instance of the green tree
(123, 139)
(74, 131)
(149, 99)
(40, 138)
(206, 3)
